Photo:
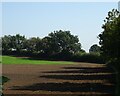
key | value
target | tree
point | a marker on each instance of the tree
(94, 49)
(61, 42)
(110, 41)
(10, 43)
(33, 45)
(47, 47)
(17, 42)
(6, 43)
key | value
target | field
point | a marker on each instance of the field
(28, 60)
(57, 79)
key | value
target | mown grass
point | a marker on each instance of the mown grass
(17, 60)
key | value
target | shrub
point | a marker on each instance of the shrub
(87, 57)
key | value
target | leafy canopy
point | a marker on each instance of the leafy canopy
(110, 38)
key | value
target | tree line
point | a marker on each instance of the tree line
(57, 45)
(56, 42)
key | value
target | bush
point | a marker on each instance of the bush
(3, 80)
(87, 57)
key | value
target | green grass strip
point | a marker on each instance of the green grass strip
(16, 60)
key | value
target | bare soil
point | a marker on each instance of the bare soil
(83, 79)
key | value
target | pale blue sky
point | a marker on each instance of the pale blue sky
(39, 19)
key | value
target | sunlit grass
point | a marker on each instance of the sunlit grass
(16, 60)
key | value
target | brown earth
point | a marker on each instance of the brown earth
(83, 79)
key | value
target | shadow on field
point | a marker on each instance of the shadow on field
(83, 70)
(110, 78)
(75, 86)
(38, 58)
(87, 69)
(69, 87)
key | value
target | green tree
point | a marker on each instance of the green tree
(47, 46)
(17, 42)
(61, 42)
(110, 42)
(33, 45)
(6, 43)
(94, 49)
(13, 42)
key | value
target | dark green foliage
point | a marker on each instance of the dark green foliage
(94, 49)
(61, 42)
(33, 45)
(18, 42)
(10, 43)
(110, 42)
(87, 57)
(3, 80)
(110, 37)
(6, 43)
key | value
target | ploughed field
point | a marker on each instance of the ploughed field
(79, 79)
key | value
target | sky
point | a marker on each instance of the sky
(38, 19)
